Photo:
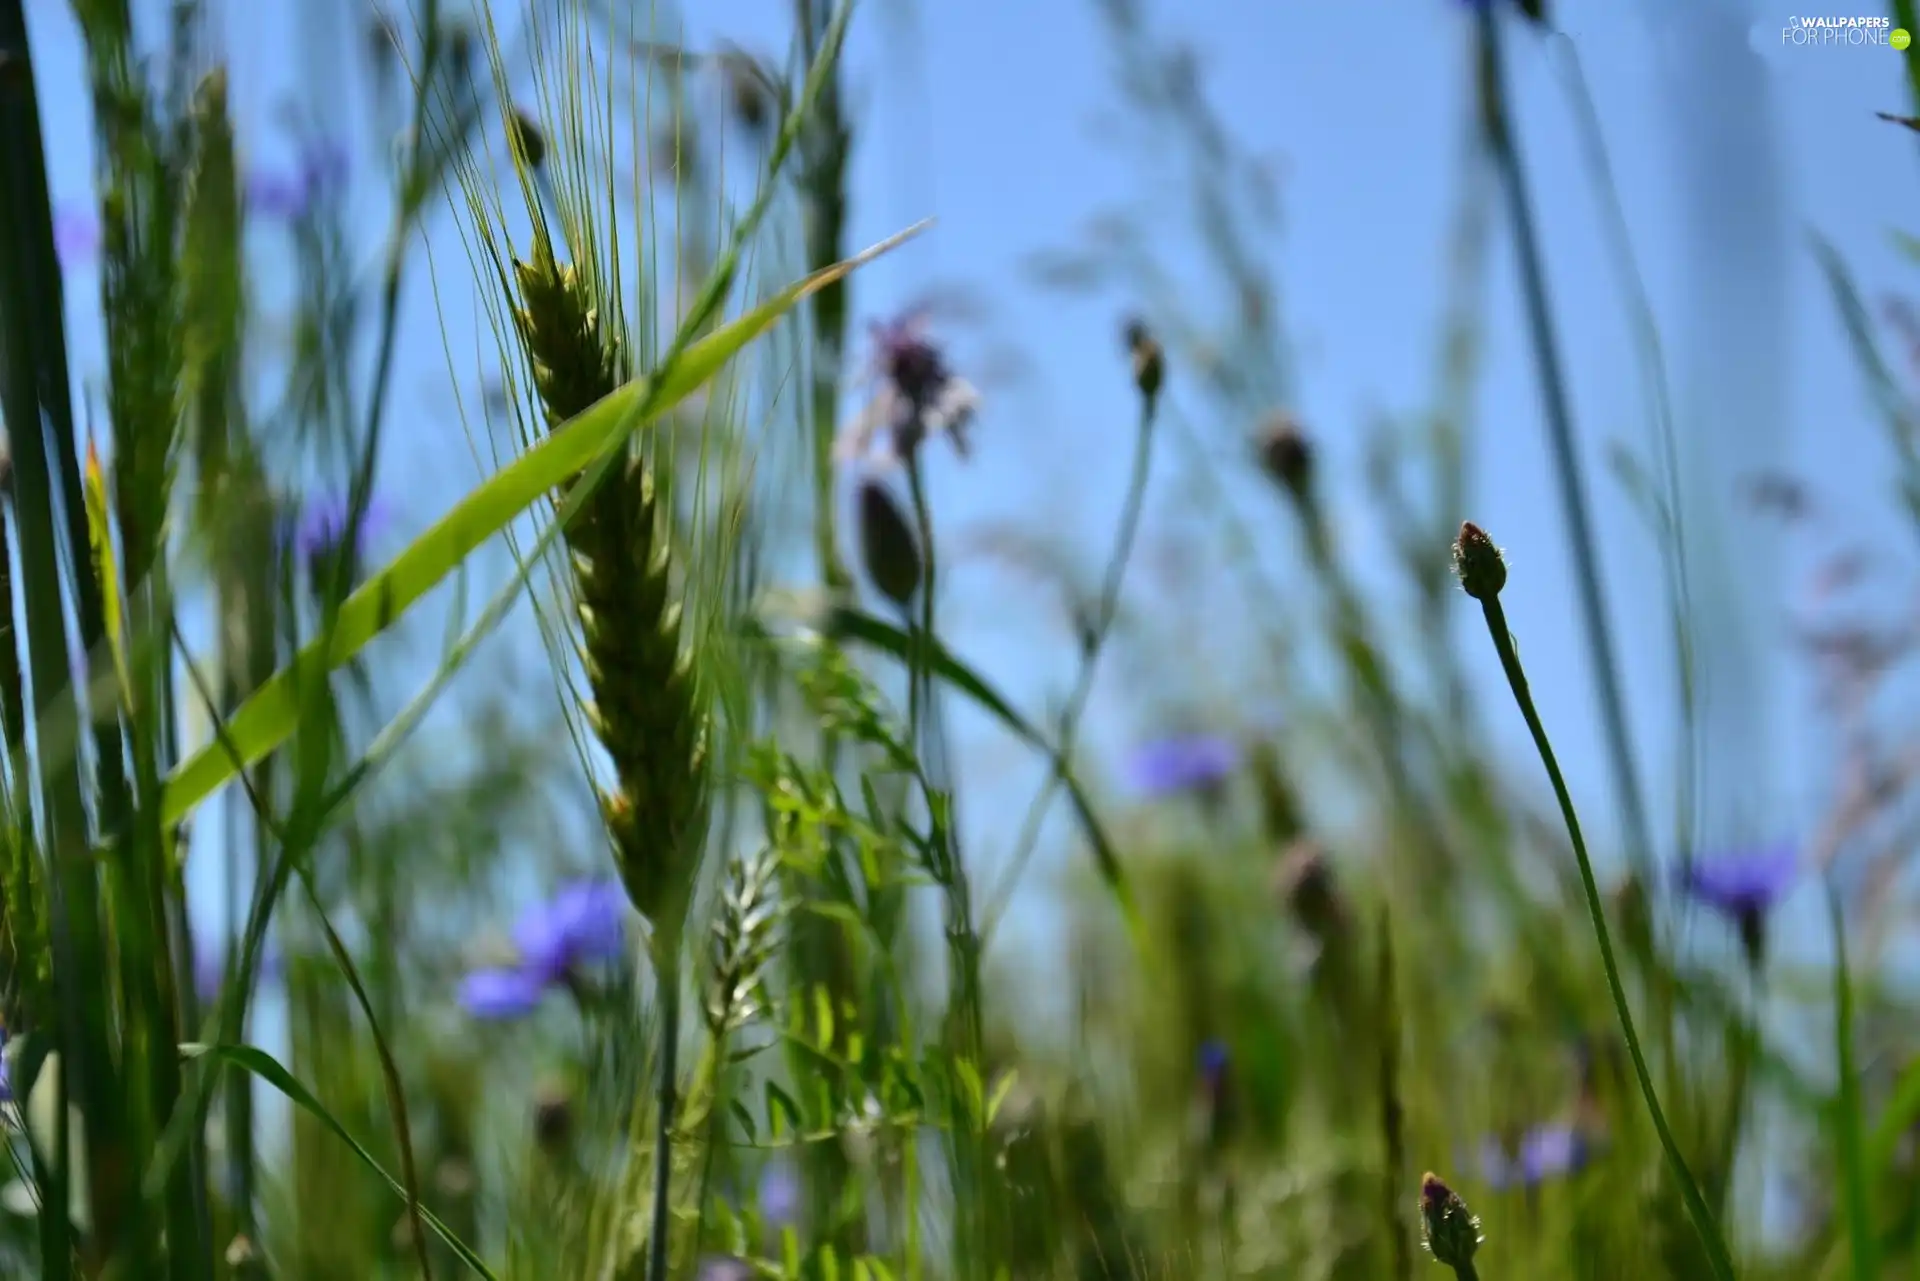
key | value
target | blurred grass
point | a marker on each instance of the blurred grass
(1317, 955)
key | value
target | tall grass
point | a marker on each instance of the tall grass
(690, 968)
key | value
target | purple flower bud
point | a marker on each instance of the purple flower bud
(919, 397)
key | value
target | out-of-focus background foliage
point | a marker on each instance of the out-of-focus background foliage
(536, 750)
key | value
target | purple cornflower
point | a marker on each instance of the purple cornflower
(322, 524)
(76, 235)
(288, 197)
(582, 924)
(779, 1194)
(1744, 887)
(919, 397)
(1183, 763)
(1546, 1152)
(725, 1268)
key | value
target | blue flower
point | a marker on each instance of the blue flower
(919, 397)
(779, 1194)
(1546, 1152)
(1743, 885)
(76, 235)
(322, 524)
(1182, 764)
(288, 197)
(583, 924)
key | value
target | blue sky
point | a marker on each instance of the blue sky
(1728, 149)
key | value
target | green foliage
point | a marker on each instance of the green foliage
(319, 963)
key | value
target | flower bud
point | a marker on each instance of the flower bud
(1149, 361)
(1286, 455)
(887, 545)
(1303, 881)
(1448, 1229)
(529, 140)
(552, 1118)
(1481, 567)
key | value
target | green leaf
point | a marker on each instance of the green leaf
(266, 719)
(1001, 1089)
(268, 1069)
(783, 1114)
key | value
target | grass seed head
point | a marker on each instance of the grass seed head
(648, 709)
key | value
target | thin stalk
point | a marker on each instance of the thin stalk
(667, 973)
(1093, 644)
(1504, 147)
(1393, 1126)
(974, 1197)
(1697, 1208)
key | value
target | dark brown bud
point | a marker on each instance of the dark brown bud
(1448, 1229)
(1479, 564)
(1304, 883)
(1287, 455)
(749, 90)
(887, 544)
(552, 1118)
(529, 140)
(1149, 362)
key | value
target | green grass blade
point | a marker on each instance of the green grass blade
(269, 1069)
(1848, 1120)
(266, 719)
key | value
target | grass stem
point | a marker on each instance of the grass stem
(1697, 1209)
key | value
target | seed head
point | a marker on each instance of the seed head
(1149, 361)
(1287, 455)
(1448, 1229)
(1481, 567)
(649, 708)
(887, 544)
